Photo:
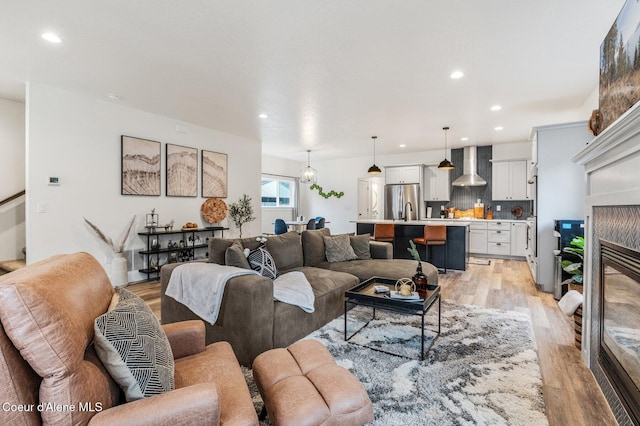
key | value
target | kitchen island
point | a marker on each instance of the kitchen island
(457, 232)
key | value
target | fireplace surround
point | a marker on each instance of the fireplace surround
(612, 216)
(619, 340)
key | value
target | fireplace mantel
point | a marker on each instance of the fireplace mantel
(612, 212)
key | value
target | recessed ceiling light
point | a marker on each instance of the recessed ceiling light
(464, 139)
(456, 75)
(496, 108)
(113, 96)
(402, 145)
(51, 37)
(498, 128)
(263, 115)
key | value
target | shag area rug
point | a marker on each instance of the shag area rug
(481, 370)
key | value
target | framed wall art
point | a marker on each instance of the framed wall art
(620, 65)
(182, 171)
(140, 166)
(214, 174)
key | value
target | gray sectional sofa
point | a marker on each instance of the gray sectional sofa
(252, 322)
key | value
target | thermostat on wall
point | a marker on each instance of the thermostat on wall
(54, 181)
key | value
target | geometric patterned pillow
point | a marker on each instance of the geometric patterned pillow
(338, 249)
(261, 261)
(134, 348)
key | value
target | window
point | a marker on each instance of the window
(278, 192)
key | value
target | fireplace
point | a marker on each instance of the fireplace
(619, 353)
(612, 266)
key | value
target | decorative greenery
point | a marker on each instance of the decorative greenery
(574, 268)
(242, 212)
(326, 195)
(116, 248)
(413, 250)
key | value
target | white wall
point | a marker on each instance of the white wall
(511, 151)
(77, 139)
(561, 188)
(12, 178)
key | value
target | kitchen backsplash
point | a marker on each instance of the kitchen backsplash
(463, 198)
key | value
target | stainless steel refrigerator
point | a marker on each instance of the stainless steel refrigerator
(396, 198)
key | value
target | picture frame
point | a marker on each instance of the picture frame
(214, 174)
(619, 66)
(182, 171)
(140, 166)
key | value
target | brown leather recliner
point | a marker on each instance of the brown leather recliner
(50, 373)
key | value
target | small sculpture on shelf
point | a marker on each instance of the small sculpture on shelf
(152, 221)
(169, 226)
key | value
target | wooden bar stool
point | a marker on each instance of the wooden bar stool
(434, 235)
(383, 232)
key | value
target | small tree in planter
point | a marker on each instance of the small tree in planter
(241, 212)
(574, 267)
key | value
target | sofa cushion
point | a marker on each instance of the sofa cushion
(217, 250)
(134, 348)
(360, 244)
(338, 249)
(262, 261)
(386, 268)
(286, 250)
(234, 256)
(313, 246)
(222, 368)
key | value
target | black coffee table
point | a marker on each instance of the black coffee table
(364, 295)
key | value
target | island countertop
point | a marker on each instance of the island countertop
(457, 232)
(448, 222)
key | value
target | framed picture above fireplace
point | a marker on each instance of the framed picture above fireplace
(620, 65)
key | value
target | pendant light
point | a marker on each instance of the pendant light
(374, 170)
(308, 174)
(445, 164)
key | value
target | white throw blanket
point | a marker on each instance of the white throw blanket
(294, 288)
(570, 302)
(200, 286)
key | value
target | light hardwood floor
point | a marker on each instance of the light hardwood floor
(571, 394)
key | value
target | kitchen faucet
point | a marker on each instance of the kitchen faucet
(406, 216)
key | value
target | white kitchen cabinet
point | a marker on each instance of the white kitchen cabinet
(402, 174)
(478, 238)
(499, 238)
(509, 180)
(518, 239)
(436, 184)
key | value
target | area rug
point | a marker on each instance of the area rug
(481, 370)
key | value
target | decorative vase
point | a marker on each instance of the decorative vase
(119, 274)
(420, 280)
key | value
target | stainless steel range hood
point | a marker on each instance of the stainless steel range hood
(470, 167)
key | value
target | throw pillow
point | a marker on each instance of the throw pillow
(360, 244)
(338, 249)
(261, 261)
(313, 246)
(286, 250)
(234, 256)
(134, 348)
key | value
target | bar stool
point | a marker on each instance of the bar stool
(383, 232)
(434, 235)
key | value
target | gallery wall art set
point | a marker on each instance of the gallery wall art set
(141, 170)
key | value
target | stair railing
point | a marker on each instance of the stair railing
(13, 197)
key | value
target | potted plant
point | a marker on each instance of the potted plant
(119, 274)
(241, 212)
(419, 279)
(574, 267)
